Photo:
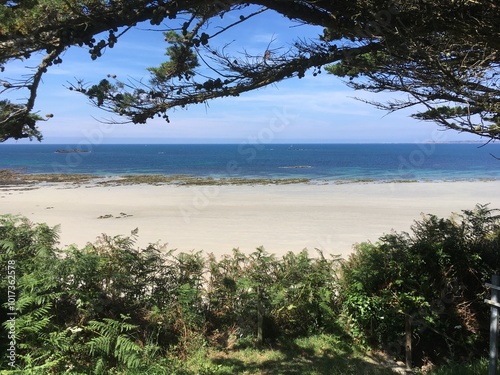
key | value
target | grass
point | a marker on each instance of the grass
(315, 355)
(475, 368)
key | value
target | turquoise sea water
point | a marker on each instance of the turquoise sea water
(382, 162)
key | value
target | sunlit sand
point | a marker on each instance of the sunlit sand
(330, 217)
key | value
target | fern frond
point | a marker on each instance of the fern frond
(100, 343)
(100, 367)
(7, 245)
(127, 352)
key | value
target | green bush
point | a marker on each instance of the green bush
(435, 276)
(28, 251)
(476, 367)
(297, 294)
(304, 294)
(112, 308)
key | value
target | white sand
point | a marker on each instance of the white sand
(219, 218)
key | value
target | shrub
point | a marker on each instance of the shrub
(296, 294)
(435, 277)
(110, 307)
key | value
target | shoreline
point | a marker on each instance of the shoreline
(12, 178)
(217, 218)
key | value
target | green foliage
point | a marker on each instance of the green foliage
(435, 51)
(17, 122)
(435, 276)
(114, 343)
(297, 294)
(358, 66)
(182, 60)
(30, 251)
(304, 294)
(445, 111)
(111, 308)
(473, 368)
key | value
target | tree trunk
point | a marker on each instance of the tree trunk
(408, 322)
(260, 317)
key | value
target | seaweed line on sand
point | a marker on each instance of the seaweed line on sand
(12, 178)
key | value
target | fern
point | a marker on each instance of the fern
(60, 340)
(47, 365)
(100, 343)
(100, 367)
(127, 352)
(113, 344)
(8, 246)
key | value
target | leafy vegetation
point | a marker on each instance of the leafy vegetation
(435, 277)
(474, 368)
(110, 308)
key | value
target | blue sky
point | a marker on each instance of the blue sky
(312, 109)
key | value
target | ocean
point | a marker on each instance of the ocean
(318, 162)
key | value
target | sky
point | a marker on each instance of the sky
(319, 109)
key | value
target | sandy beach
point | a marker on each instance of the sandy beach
(282, 218)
